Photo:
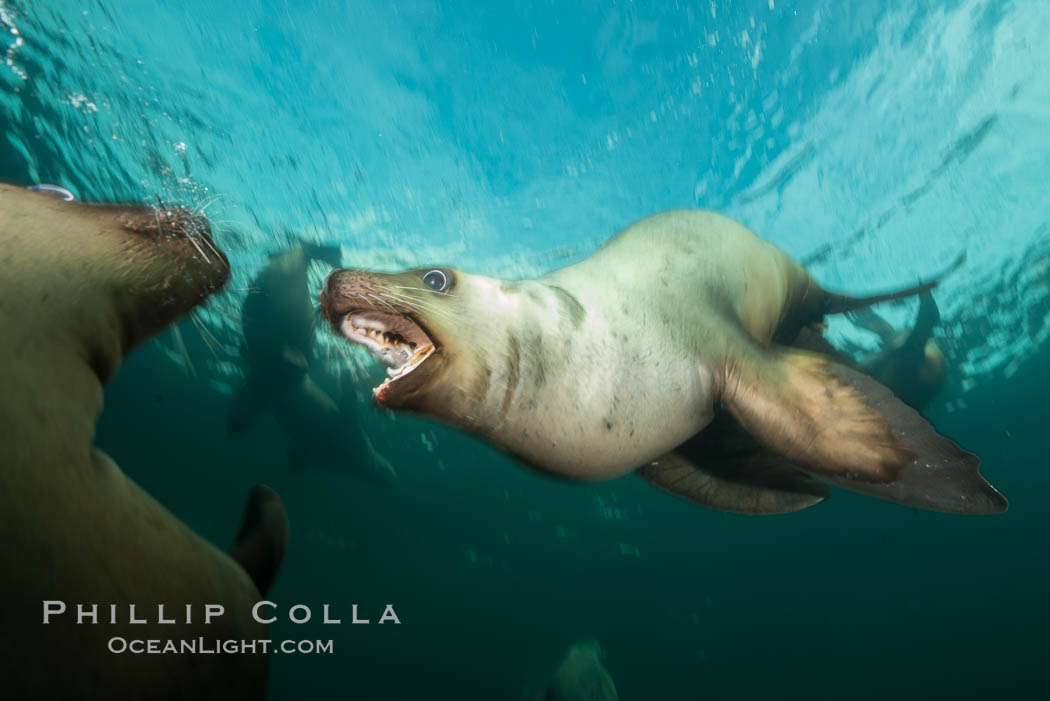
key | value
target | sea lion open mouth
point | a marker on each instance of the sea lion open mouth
(396, 341)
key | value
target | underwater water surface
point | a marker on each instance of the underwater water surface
(875, 143)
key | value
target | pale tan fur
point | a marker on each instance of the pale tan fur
(77, 289)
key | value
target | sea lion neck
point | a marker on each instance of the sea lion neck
(60, 350)
(80, 285)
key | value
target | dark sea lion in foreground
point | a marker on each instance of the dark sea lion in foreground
(909, 362)
(684, 321)
(80, 285)
(580, 676)
(279, 323)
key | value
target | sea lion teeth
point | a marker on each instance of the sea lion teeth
(687, 319)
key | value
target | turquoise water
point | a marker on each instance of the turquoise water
(875, 143)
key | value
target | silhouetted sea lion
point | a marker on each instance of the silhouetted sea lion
(279, 323)
(909, 362)
(683, 321)
(580, 676)
(80, 285)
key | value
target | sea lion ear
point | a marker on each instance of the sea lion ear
(845, 427)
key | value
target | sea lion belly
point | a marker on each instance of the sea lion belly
(594, 403)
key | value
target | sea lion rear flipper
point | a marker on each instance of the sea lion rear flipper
(723, 467)
(839, 304)
(262, 540)
(869, 320)
(928, 318)
(845, 427)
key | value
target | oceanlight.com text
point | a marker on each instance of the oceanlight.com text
(205, 646)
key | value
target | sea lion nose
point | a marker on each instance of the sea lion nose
(332, 299)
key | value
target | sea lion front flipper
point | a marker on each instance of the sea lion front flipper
(333, 255)
(845, 427)
(723, 467)
(262, 540)
(295, 357)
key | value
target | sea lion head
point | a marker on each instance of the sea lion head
(428, 326)
(115, 274)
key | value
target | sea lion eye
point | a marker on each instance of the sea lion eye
(436, 280)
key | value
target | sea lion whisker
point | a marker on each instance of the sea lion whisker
(208, 202)
(402, 300)
(421, 289)
(416, 304)
(180, 347)
(388, 305)
(193, 240)
(208, 337)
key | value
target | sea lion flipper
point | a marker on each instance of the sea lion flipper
(926, 320)
(834, 303)
(847, 428)
(723, 467)
(869, 320)
(295, 357)
(262, 540)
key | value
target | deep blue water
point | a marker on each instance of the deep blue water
(876, 143)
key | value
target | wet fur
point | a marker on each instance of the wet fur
(80, 285)
(611, 364)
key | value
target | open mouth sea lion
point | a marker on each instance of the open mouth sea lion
(680, 349)
(79, 286)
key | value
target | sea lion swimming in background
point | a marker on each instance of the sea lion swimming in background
(909, 362)
(279, 323)
(673, 350)
(580, 676)
(80, 285)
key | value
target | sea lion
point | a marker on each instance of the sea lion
(615, 364)
(80, 285)
(278, 319)
(909, 362)
(580, 676)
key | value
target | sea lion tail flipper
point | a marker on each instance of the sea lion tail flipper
(838, 304)
(262, 540)
(723, 467)
(845, 427)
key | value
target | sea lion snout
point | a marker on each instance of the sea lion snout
(342, 291)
